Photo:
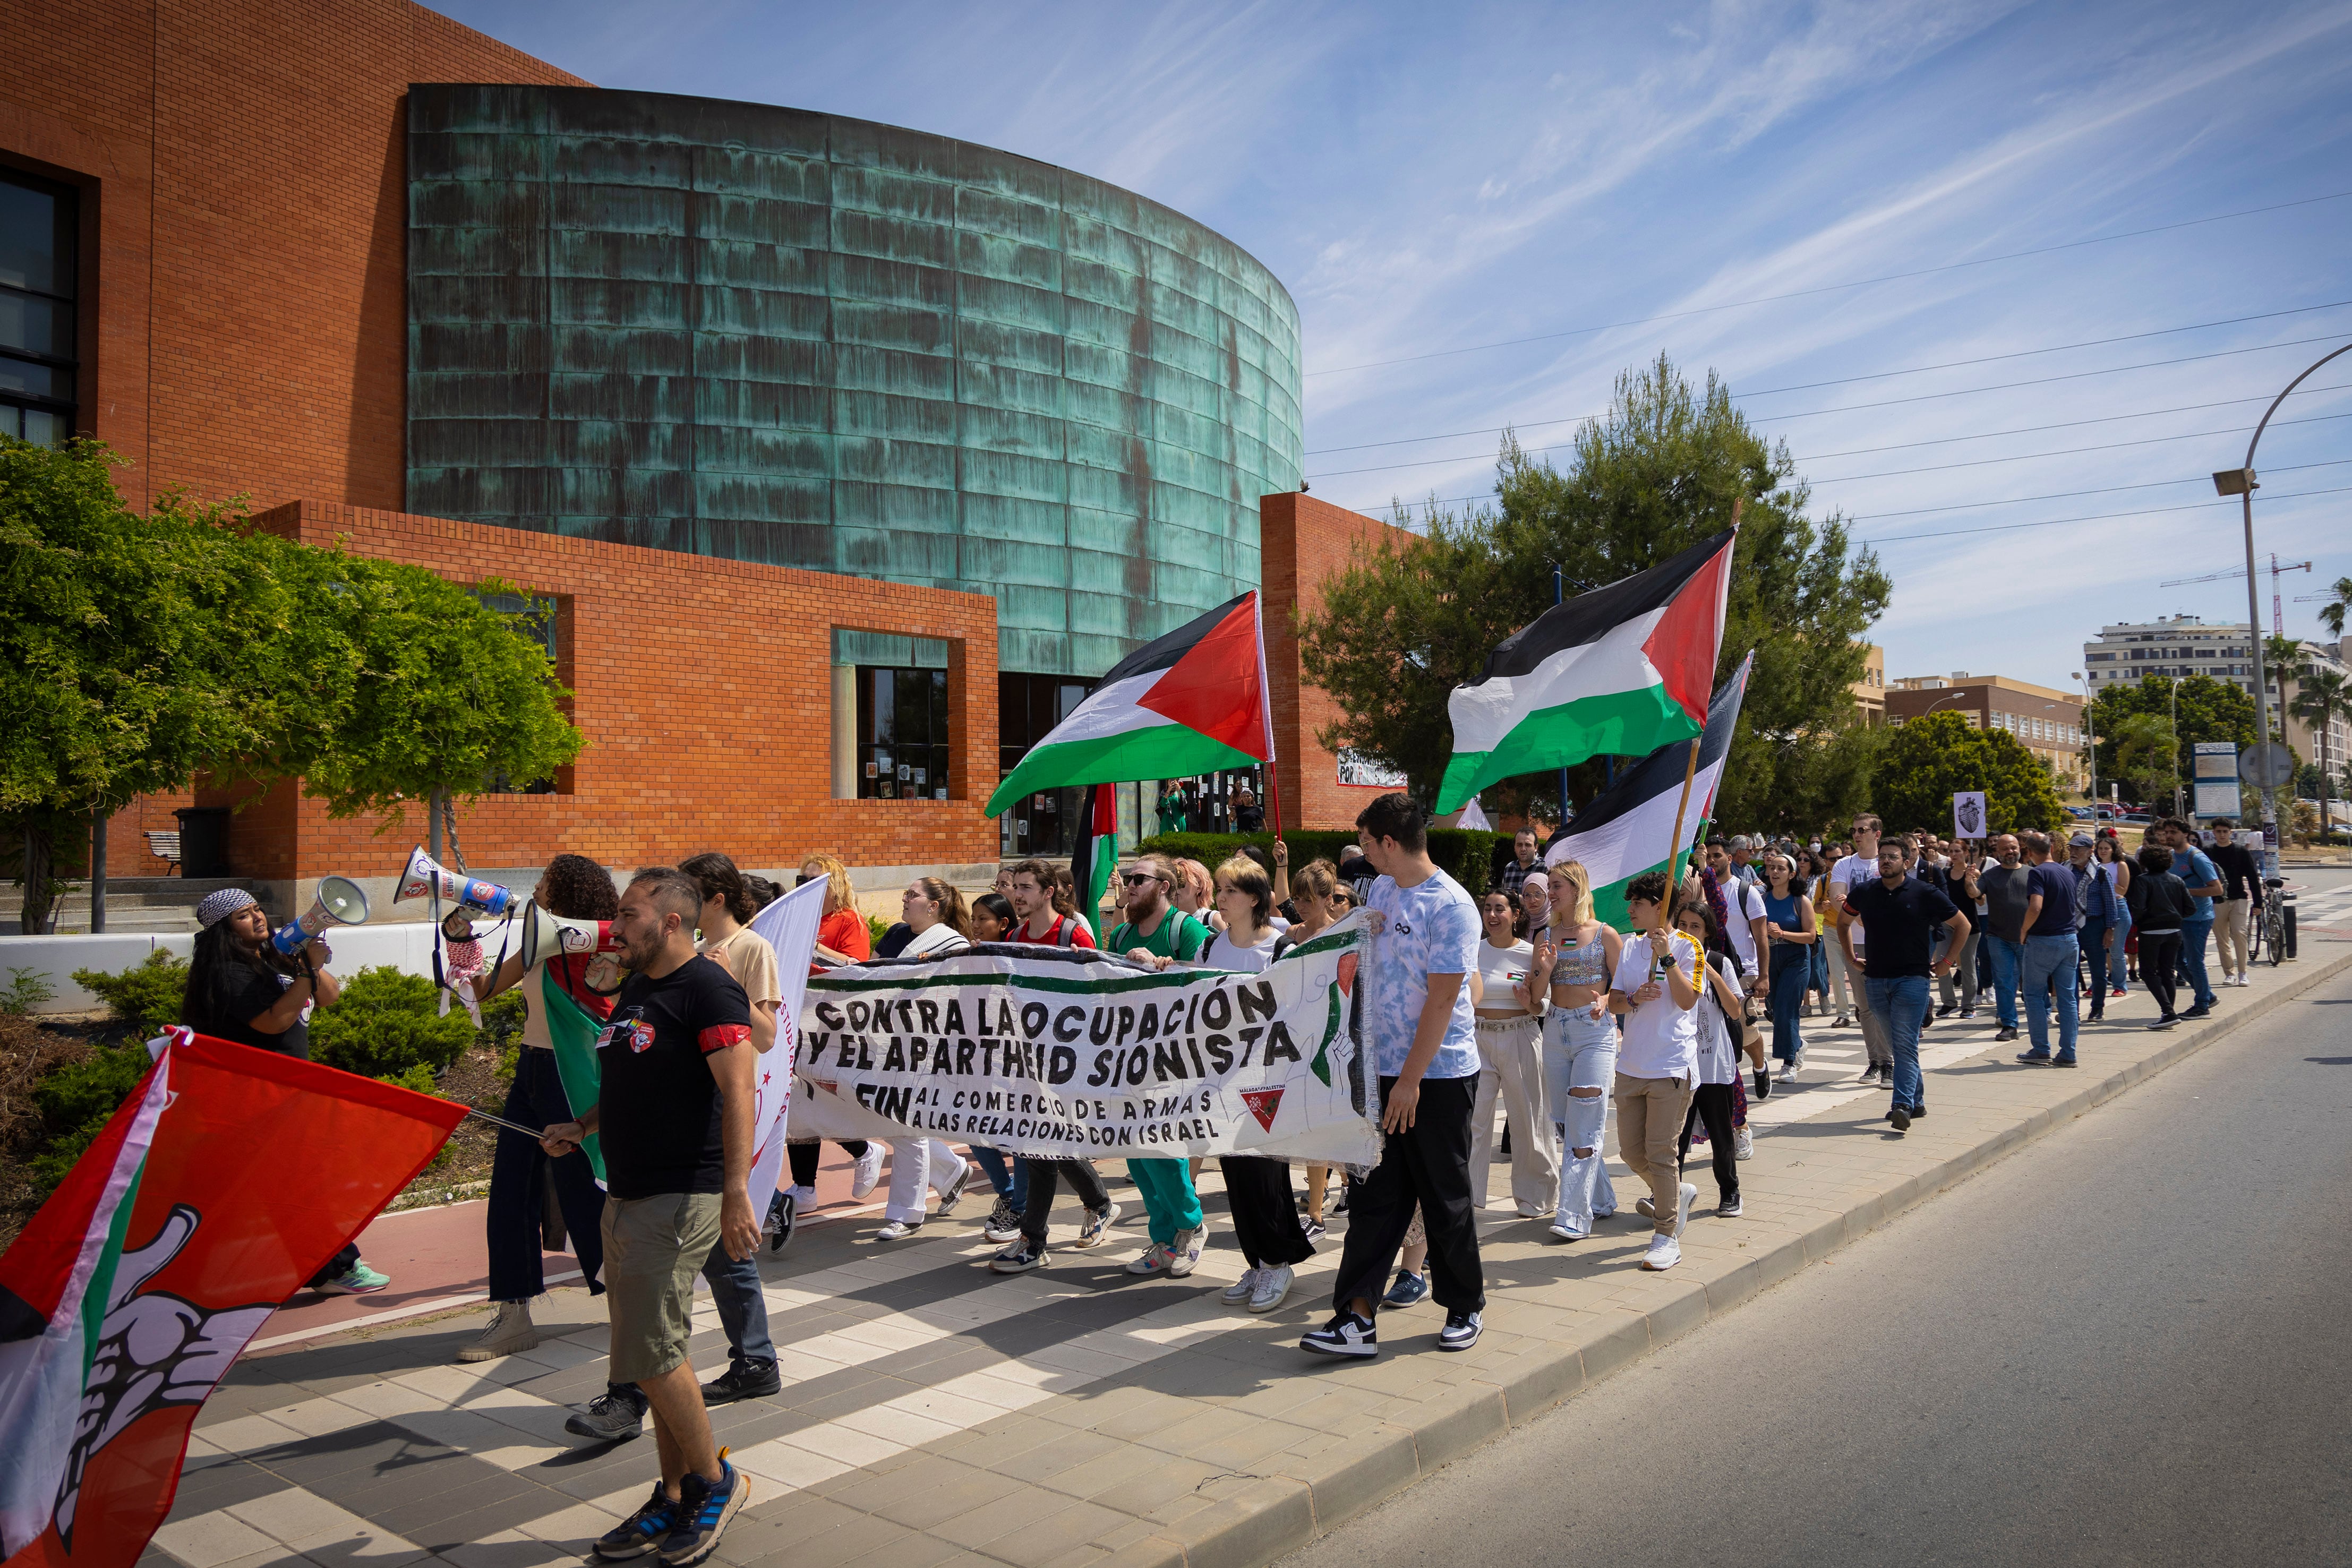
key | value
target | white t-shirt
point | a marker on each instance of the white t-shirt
(1743, 903)
(1500, 968)
(1223, 953)
(1845, 876)
(1660, 1038)
(1718, 1049)
(937, 943)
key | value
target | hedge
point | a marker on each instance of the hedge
(1462, 853)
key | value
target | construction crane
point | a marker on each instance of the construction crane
(2278, 607)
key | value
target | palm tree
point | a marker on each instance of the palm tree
(2323, 698)
(2284, 658)
(2331, 614)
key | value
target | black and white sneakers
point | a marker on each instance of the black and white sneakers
(1345, 1335)
(1460, 1333)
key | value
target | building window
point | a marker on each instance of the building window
(534, 621)
(890, 716)
(1027, 709)
(39, 267)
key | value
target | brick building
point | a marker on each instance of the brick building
(889, 408)
(2045, 720)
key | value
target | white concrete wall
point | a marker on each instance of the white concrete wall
(402, 946)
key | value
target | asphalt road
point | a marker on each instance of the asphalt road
(2128, 1343)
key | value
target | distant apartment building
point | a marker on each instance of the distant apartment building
(2045, 721)
(1870, 692)
(2177, 646)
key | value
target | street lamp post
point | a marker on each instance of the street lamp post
(2240, 482)
(2172, 689)
(2090, 746)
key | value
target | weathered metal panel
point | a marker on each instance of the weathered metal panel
(780, 336)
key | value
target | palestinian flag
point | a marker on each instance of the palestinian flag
(1620, 671)
(1191, 702)
(564, 994)
(1629, 828)
(168, 1245)
(1097, 855)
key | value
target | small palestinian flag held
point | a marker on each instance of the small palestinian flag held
(1191, 702)
(1629, 828)
(1097, 855)
(1620, 671)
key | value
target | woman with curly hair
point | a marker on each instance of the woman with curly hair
(563, 988)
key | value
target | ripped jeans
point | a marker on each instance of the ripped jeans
(1580, 1052)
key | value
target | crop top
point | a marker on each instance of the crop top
(1501, 969)
(1585, 966)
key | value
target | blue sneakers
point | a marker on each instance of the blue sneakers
(1408, 1289)
(703, 1510)
(643, 1531)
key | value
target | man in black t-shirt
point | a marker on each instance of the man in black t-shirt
(1899, 914)
(2241, 894)
(675, 1111)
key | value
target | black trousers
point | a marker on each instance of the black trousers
(1712, 1103)
(512, 1228)
(803, 1159)
(1043, 1180)
(1265, 1220)
(2160, 957)
(1430, 1166)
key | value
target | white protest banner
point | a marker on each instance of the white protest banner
(790, 925)
(1968, 814)
(1069, 1053)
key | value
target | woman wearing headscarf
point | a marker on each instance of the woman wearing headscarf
(242, 989)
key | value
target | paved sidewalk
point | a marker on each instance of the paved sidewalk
(934, 1412)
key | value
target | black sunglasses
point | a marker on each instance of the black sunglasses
(1135, 878)
(806, 878)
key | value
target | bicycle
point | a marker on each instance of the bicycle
(2266, 933)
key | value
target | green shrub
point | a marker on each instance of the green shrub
(502, 1020)
(146, 994)
(877, 928)
(385, 1025)
(1462, 853)
(75, 1102)
(26, 989)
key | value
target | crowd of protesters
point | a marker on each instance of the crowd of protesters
(1522, 1005)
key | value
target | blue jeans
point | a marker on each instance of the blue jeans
(1902, 1003)
(1793, 968)
(2119, 975)
(2006, 958)
(2193, 933)
(2093, 939)
(2049, 963)
(742, 1308)
(1010, 1184)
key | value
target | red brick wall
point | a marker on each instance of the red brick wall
(1302, 542)
(246, 161)
(705, 689)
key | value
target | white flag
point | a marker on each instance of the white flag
(790, 925)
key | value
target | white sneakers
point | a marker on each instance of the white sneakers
(1665, 1253)
(510, 1331)
(1184, 1252)
(1241, 1290)
(1743, 1144)
(868, 1174)
(1684, 1199)
(1152, 1259)
(1273, 1286)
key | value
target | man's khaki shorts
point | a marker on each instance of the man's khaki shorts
(654, 1246)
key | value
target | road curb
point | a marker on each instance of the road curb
(1284, 1512)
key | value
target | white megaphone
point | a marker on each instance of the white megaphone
(546, 936)
(426, 877)
(341, 902)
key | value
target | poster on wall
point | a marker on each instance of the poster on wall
(1362, 772)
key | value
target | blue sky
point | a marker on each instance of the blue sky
(1427, 179)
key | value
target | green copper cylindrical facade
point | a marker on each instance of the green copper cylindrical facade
(784, 337)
